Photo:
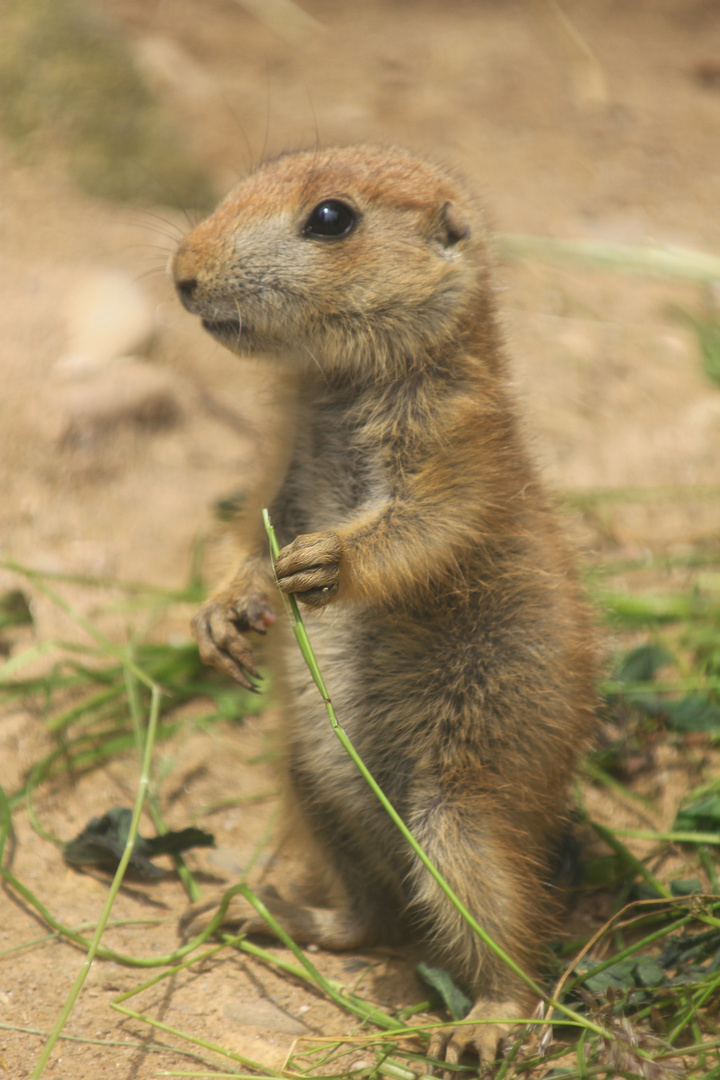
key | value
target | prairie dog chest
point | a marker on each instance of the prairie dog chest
(333, 472)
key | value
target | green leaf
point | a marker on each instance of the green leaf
(620, 976)
(457, 1003)
(702, 815)
(629, 974)
(231, 507)
(685, 886)
(687, 951)
(602, 871)
(641, 664)
(14, 609)
(648, 972)
(694, 713)
(102, 843)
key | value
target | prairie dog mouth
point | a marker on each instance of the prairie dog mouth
(225, 329)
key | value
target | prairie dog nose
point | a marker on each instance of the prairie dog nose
(186, 288)
(188, 267)
(185, 262)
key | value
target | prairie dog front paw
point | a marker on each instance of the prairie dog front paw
(220, 626)
(309, 567)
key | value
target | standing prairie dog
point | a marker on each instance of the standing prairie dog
(440, 599)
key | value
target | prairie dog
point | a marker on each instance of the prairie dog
(440, 598)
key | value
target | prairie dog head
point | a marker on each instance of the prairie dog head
(351, 257)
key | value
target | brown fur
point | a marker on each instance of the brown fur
(441, 600)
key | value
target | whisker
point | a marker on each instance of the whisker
(315, 360)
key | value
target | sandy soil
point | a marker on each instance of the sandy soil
(603, 127)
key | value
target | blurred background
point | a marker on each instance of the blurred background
(122, 121)
(127, 434)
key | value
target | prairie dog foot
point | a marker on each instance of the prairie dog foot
(335, 929)
(486, 1037)
(220, 626)
(240, 914)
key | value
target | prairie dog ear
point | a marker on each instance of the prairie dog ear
(450, 226)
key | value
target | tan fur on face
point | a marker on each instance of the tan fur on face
(441, 600)
(380, 297)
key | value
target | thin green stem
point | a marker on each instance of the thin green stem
(611, 840)
(669, 837)
(213, 1047)
(33, 943)
(107, 645)
(631, 950)
(105, 914)
(347, 1001)
(119, 1044)
(668, 261)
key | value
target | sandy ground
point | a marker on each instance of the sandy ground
(604, 125)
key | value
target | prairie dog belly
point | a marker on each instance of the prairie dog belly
(382, 721)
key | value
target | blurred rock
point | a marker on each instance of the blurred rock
(108, 315)
(123, 391)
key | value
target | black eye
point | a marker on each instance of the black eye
(330, 218)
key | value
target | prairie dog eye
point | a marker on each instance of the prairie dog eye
(330, 218)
